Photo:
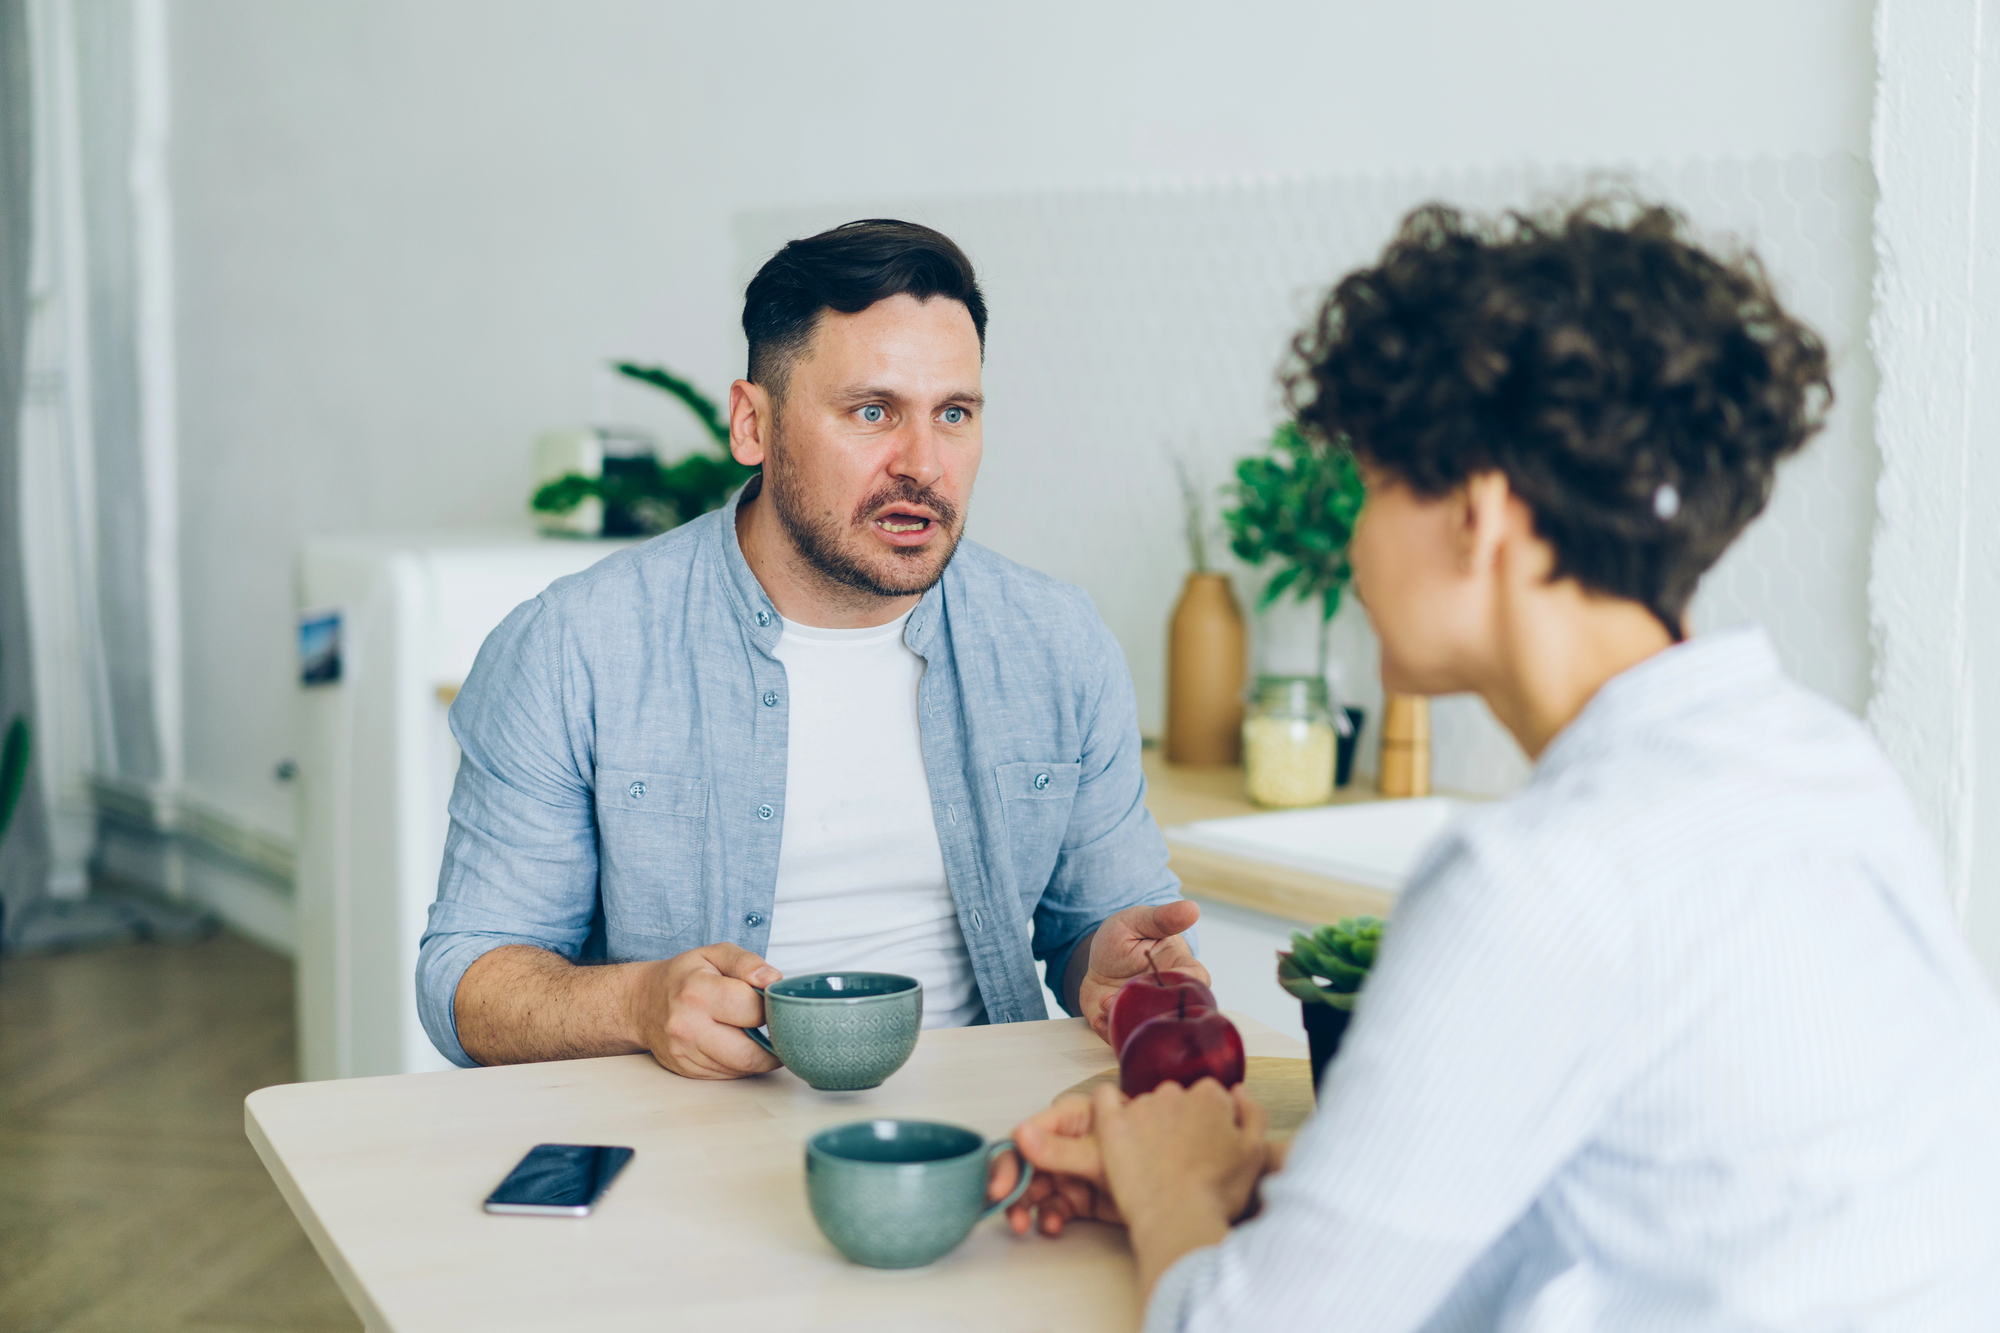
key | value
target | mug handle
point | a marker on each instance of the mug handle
(1020, 1186)
(757, 1036)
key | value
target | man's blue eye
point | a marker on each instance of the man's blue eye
(954, 416)
(873, 414)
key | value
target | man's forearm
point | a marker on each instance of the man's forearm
(518, 1003)
(1074, 972)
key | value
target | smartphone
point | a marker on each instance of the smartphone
(558, 1180)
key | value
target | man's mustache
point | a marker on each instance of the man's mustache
(907, 492)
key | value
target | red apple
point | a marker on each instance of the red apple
(1151, 994)
(1182, 1047)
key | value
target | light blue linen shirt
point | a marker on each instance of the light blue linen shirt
(1683, 1037)
(622, 790)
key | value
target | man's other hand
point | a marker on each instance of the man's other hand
(1118, 953)
(690, 1011)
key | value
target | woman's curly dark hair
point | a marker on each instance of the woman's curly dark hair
(1636, 390)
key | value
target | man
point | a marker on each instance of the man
(812, 730)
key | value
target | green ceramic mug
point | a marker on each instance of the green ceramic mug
(902, 1193)
(842, 1031)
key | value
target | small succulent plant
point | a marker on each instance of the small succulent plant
(1329, 965)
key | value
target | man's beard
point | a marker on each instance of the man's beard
(817, 537)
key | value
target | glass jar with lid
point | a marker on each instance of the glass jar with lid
(1289, 743)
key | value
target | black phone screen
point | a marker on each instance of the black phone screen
(558, 1180)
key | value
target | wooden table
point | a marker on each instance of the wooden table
(707, 1228)
(1183, 793)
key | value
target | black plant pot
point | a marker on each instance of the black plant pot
(1343, 755)
(1325, 1026)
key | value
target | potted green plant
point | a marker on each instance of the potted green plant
(1325, 970)
(655, 496)
(1296, 504)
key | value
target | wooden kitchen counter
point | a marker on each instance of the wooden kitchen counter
(1183, 794)
(708, 1227)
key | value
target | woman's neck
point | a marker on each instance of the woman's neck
(1554, 647)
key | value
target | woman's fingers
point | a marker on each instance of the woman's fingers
(1060, 1140)
(1250, 1114)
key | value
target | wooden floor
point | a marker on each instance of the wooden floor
(129, 1198)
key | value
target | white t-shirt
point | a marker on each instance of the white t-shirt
(861, 880)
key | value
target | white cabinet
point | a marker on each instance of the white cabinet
(376, 766)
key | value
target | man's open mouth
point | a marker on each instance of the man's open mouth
(901, 523)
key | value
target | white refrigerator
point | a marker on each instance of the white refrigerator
(376, 766)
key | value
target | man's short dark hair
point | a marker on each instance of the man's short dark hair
(848, 269)
(1636, 390)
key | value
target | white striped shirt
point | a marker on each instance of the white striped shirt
(1682, 1036)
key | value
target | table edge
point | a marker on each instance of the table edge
(344, 1277)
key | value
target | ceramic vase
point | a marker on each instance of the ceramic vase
(1207, 657)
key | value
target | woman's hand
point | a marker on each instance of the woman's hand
(1069, 1171)
(1181, 1163)
(1181, 1153)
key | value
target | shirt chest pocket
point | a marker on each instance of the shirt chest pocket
(652, 836)
(1036, 798)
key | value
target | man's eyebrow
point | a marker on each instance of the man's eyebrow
(869, 393)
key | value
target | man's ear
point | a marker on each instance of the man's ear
(750, 419)
(1482, 519)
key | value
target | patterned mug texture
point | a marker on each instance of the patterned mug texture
(902, 1193)
(842, 1031)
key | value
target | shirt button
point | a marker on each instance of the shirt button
(636, 790)
(753, 920)
(770, 698)
(1041, 782)
(763, 617)
(765, 812)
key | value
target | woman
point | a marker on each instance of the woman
(1682, 1035)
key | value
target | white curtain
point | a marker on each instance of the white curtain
(96, 498)
(24, 843)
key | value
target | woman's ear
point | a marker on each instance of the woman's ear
(1480, 519)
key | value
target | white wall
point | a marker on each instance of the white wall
(1137, 324)
(1936, 574)
(407, 231)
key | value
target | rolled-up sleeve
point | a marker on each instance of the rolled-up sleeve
(1113, 855)
(520, 860)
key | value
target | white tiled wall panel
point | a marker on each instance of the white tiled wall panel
(1132, 325)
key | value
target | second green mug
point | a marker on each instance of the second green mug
(902, 1193)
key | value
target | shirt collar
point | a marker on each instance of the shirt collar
(760, 619)
(1690, 678)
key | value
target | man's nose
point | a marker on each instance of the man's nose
(917, 454)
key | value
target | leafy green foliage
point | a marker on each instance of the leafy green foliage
(565, 493)
(1329, 965)
(1297, 504)
(661, 496)
(697, 402)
